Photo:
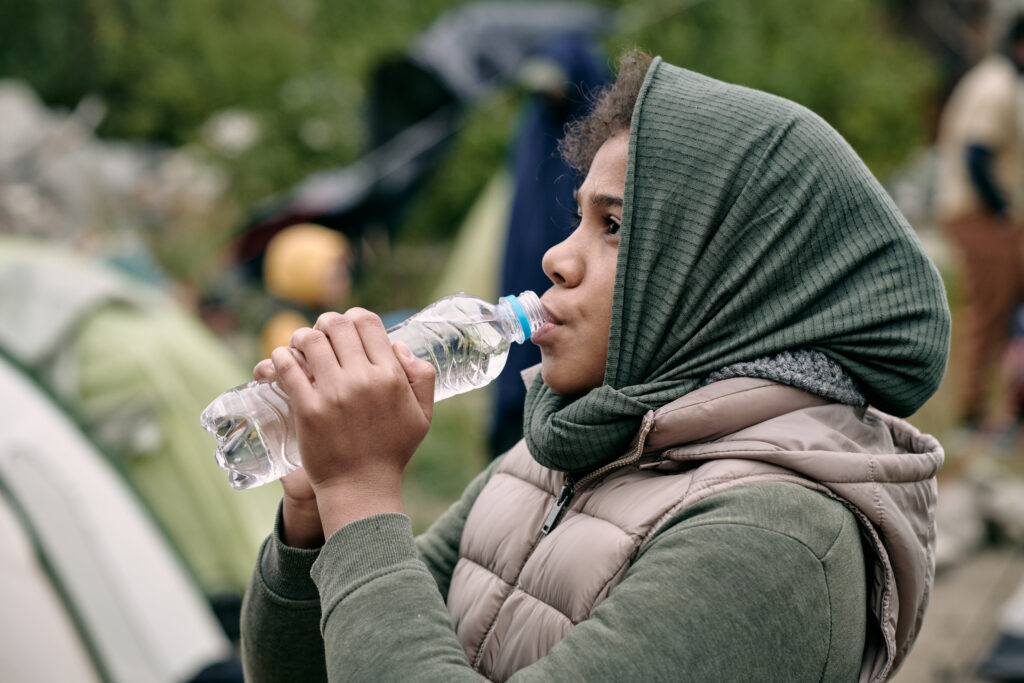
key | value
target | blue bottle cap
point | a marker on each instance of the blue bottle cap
(520, 312)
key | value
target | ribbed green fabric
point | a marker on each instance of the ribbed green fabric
(749, 227)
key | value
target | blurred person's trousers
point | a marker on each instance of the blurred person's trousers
(991, 285)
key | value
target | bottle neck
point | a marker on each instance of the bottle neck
(522, 314)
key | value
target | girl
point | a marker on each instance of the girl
(708, 488)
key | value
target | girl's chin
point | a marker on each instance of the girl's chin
(551, 378)
(569, 387)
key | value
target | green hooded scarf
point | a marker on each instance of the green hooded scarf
(749, 227)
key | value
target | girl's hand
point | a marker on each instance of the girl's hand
(301, 526)
(360, 413)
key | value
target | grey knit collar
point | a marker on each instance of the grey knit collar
(811, 371)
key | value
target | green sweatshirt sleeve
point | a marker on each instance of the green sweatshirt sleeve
(281, 610)
(281, 616)
(759, 582)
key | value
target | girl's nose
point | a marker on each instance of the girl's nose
(562, 263)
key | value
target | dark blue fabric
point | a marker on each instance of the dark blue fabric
(542, 210)
(979, 168)
(1005, 661)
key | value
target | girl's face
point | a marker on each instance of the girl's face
(574, 344)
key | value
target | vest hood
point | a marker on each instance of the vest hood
(878, 465)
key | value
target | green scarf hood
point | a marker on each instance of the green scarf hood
(749, 227)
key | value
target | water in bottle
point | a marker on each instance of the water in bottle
(465, 338)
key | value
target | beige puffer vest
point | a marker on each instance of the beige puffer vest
(517, 591)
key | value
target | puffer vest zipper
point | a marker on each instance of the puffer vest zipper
(517, 591)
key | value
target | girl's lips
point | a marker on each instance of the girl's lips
(544, 331)
(550, 323)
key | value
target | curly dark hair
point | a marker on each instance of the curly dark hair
(612, 112)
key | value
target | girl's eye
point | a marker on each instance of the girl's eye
(611, 223)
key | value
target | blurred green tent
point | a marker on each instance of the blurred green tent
(92, 591)
(135, 370)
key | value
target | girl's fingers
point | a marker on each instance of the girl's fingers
(343, 338)
(421, 377)
(301, 360)
(264, 370)
(374, 337)
(290, 374)
(357, 337)
(316, 348)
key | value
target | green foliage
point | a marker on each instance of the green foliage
(839, 58)
(165, 67)
(452, 454)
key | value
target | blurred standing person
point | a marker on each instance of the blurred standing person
(563, 75)
(981, 178)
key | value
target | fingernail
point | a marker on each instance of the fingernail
(404, 350)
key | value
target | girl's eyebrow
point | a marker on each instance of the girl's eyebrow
(600, 200)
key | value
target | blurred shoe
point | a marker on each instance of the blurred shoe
(1005, 662)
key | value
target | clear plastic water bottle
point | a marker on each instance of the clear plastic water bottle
(465, 338)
